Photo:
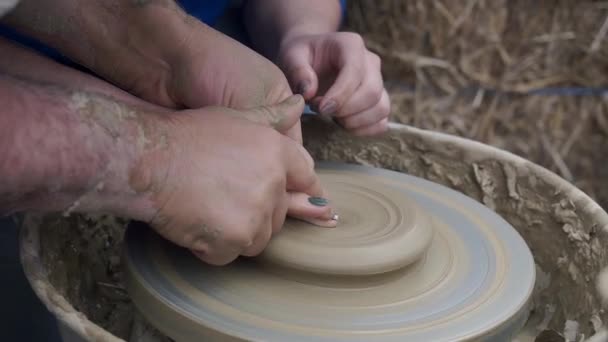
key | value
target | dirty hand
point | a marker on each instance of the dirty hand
(214, 70)
(340, 77)
(222, 194)
(159, 53)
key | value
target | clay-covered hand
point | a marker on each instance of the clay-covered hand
(226, 179)
(214, 70)
(340, 77)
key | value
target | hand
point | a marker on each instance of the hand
(222, 194)
(340, 77)
(214, 70)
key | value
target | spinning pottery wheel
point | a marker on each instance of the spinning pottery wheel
(409, 261)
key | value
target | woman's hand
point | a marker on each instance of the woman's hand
(340, 77)
(227, 179)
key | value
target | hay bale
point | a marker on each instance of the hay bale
(514, 45)
(473, 62)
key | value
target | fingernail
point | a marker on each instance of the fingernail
(292, 100)
(318, 201)
(303, 87)
(335, 217)
(329, 107)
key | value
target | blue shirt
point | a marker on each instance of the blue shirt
(208, 11)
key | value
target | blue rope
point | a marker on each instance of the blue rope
(548, 91)
(570, 91)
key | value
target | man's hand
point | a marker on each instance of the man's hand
(155, 51)
(227, 179)
(218, 181)
(340, 77)
(212, 69)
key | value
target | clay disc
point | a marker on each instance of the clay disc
(472, 281)
(380, 230)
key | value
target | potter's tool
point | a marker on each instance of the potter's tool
(409, 261)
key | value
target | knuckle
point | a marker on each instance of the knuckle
(376, 60)
(259, 246)
(309, 180)
(241, 238)
(373, 93)
(190, 240)
(354, 38)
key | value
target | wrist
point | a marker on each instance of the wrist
(138, 160)
(66, 151)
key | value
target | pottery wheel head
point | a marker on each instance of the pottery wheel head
(380, 230)
(411, 260)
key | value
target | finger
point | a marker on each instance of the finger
(314, 188)
(299, 167)
(297, 65)
(369, 92)
(216, 259)
(349, 58)
(303, 205)
(282, 116)
(331, 223)
(261, 239)
(264, 228)
(375, 129)
(314, 210)
(377, 113)
(348, 80)
(295, 133)
(280, 212)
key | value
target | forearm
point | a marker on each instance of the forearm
(113, 38)
(270, 22)
(68, 151)
(23, 63)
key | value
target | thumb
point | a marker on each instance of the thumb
(281, 116)
(297, 66)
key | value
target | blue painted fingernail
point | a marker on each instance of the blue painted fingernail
(329, 107)
(317, 201)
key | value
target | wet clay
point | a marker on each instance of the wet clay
(564, 228)
(66, 259)
(467, 276)
(380, 230)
